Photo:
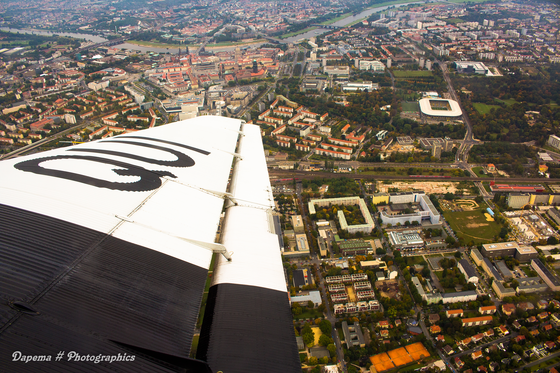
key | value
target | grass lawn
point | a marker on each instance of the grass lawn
(412, 260)
(160, 45)
(297, 32)
(454, 20)
(228, 43)
(432, 255)
(508, 102)
(472, 225)
(411, 74)
(331, 21)
(357, 21)
(477, 170)
(309, 314)
(410, 106)
(483, 108)
(466, 1)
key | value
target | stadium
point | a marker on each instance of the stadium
(439, 108)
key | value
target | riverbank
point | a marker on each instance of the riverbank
(143, 43)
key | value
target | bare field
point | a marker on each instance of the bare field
(430, 187)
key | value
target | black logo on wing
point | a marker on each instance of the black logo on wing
(148, 179)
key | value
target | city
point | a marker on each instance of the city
(412, 150)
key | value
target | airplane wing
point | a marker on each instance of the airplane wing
(105, 249)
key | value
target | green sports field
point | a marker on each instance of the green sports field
(483, 108)
(472, 225)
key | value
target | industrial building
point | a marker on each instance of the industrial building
(355, 247)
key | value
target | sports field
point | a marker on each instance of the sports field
(410, 106)
(472, 225)
(411, 73)
(399, 356)
(484, 108)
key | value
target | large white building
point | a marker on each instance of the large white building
(440, 108)
(376, 66)
(365, 86)
(429, 211)
(471, 67)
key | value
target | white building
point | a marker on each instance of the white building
(554, 141)
(376, 66)
(365, 86)
(428, 209)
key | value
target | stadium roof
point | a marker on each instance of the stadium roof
(426, 108)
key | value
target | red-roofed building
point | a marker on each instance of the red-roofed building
(508, 308)
(435, 329)
(475, 355)
(39, 125)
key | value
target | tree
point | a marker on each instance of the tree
(457, 254)
(332, 349)
(552, 240)
(325, 340)
(325, 326)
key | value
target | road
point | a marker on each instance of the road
(430, 339)
(36, 144)
(316, 262)
(482, 346)
(538, 361)
(283, 174)
(462, 156)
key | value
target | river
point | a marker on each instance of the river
(88, 37)
(313, 33)
(141, 48)
(346, 21)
